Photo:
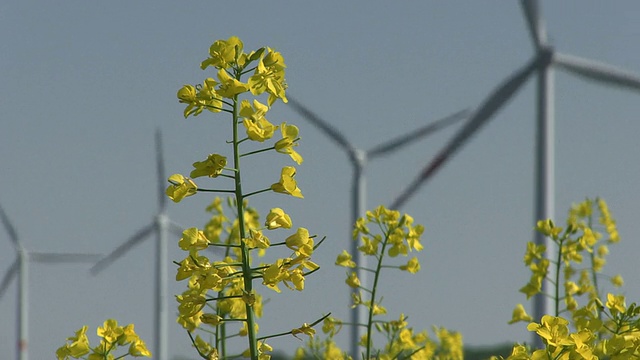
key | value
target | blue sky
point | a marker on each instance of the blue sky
(84, 85)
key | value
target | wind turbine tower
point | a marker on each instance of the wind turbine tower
(160, 225)
(542, 63)
(20, 269)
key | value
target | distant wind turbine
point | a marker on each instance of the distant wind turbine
(160, 226)
(359, 158)
(20, 268)
(542, 62)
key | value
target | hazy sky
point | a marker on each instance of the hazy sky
(84, 85)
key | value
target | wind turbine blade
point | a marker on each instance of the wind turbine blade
(327, 128)
(8, 276)
(482, 115)
(535, 24)
(137, 238)
(596, 71)
(175, 228)
(57, 258)
(162, 179)
(409, 138)
(13, 235)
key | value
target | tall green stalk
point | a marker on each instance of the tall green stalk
(246, 260)
(373, 295)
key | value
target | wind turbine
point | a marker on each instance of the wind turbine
(359, 159)
(160, 226)
(20, 268)
(543, 61)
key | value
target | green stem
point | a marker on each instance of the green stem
(257, 192)
(220, 335)
(556, 295)
(310, 272)
(216, 108)
(246, 266)
(373, 294)
(364, 269)
(258, 151)
(594, 277)
(224, 298)
(291, 331)
(279, 244)
(217, 191)
(248, 71)
(193, 342)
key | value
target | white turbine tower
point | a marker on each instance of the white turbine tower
(542, 62)
(20, 268)
(160, 226)
(359, 159)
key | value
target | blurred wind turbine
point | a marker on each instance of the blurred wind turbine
(160, 226)
(542, 62)
(20, 268)
(359, 158)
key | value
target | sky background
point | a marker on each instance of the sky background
(84, 85)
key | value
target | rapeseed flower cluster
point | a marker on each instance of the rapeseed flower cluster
(603, 326)
(112, 336)
(221, 298)
(394, 234)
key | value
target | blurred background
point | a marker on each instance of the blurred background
(84, 85)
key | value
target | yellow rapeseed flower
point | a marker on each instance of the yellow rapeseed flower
(180, 187)
(230, 87)
(616, 303)
(554, 330)
(288, 141)
(533, 287)
(78, 346)
(519, 314)
(211, 319)
(128, 336)
(352, 280)
(277, 218)
(274, 274)
(413, 237)
(211, 167)
(208, 98)
(200, 97)
(534, 252)
(110, 331)
(360, 227)
(257, 126)
(287, 184)
(412, 266)
(223, 53)
(257, 240)
(344, 259)
(332, 351)
(297, 279)
(548, 228)
(139, 348)
(331, 326)
(519, 352)
(370, 246)
(269, 77)
(193, 239)
(617, 280)
(300, 242)
(203, 346)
